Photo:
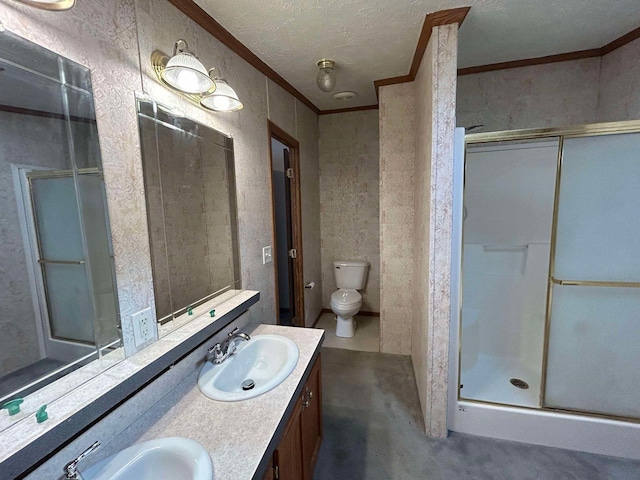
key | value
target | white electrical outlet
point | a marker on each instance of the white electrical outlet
(266, 255)
(144, 328)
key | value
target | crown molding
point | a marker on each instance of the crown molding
(620, 42)
(562, 57)
(206, 21)
(527, 62)
(349, 109)
(431, 20)
(442, 17)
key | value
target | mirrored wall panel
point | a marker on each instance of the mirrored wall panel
(57, 278)
(191, 208)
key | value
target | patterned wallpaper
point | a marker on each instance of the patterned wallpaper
(350, 199)
(619, 93)
(426, 91)
(115, 40)
(435, 358)
(600, 89)
(550, 95)
(397, 152)
(308, 134)
(417, 124)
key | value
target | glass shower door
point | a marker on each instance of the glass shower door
(62, 258)
(508, 214)
(594, 325)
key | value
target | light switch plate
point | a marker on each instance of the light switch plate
(144, 327)
(266, 255)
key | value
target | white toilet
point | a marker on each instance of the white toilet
(346, 301)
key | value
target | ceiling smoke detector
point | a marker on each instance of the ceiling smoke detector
(344, 96)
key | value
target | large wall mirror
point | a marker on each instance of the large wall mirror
(59, 308)
(191, 208)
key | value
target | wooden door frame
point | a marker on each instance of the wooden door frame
(296, 219)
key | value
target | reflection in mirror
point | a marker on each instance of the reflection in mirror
(57, 279)
(191, 208)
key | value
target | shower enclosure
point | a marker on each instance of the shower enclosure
(546, 273)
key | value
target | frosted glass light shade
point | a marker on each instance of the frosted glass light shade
(223, 99)
(51, 4)
(186, 73)
(326, 78)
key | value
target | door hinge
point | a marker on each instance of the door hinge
(293, 253)
(289, 172)
(276, 472)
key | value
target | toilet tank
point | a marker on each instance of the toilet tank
(350, 274)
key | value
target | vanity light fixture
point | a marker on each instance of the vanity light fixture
(223, 98)
(185, 72)
(326, 78)
(58, 5)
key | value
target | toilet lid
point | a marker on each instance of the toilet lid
(346, 296)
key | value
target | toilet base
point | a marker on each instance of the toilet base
(345, 327)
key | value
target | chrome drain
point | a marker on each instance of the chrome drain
(248, 384)
(516, 382)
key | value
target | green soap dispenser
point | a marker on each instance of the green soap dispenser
(41, 414)
(13, 406)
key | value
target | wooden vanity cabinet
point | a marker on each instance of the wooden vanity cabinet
(311, 420)
(297, 452)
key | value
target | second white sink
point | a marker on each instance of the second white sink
(265, 361)
(172, 458)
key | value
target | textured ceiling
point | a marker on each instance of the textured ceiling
(374, 39)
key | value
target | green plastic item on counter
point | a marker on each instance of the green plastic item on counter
(13, 406)
(212, 313)
(41, 414)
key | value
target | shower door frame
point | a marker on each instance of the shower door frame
(68, 350)
(459, 405)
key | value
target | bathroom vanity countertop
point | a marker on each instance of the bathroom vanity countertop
(236, 434)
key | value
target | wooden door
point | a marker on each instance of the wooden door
(295, 222)
(311, 420)
(288, 456)
(289, 233)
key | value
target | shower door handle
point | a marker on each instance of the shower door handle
(62, 262)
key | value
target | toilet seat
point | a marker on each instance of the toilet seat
(346, 297)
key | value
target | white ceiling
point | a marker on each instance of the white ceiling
(374, 39)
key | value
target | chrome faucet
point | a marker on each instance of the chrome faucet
(71, 469)
(221, 351)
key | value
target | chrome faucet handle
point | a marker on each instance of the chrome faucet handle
(71, 468)
(221, 351)
(215, 352)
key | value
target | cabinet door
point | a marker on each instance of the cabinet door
(311, 420)
(288, 457)
(268, 475)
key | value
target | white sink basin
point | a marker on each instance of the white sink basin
(266, 360)
(166, 458)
